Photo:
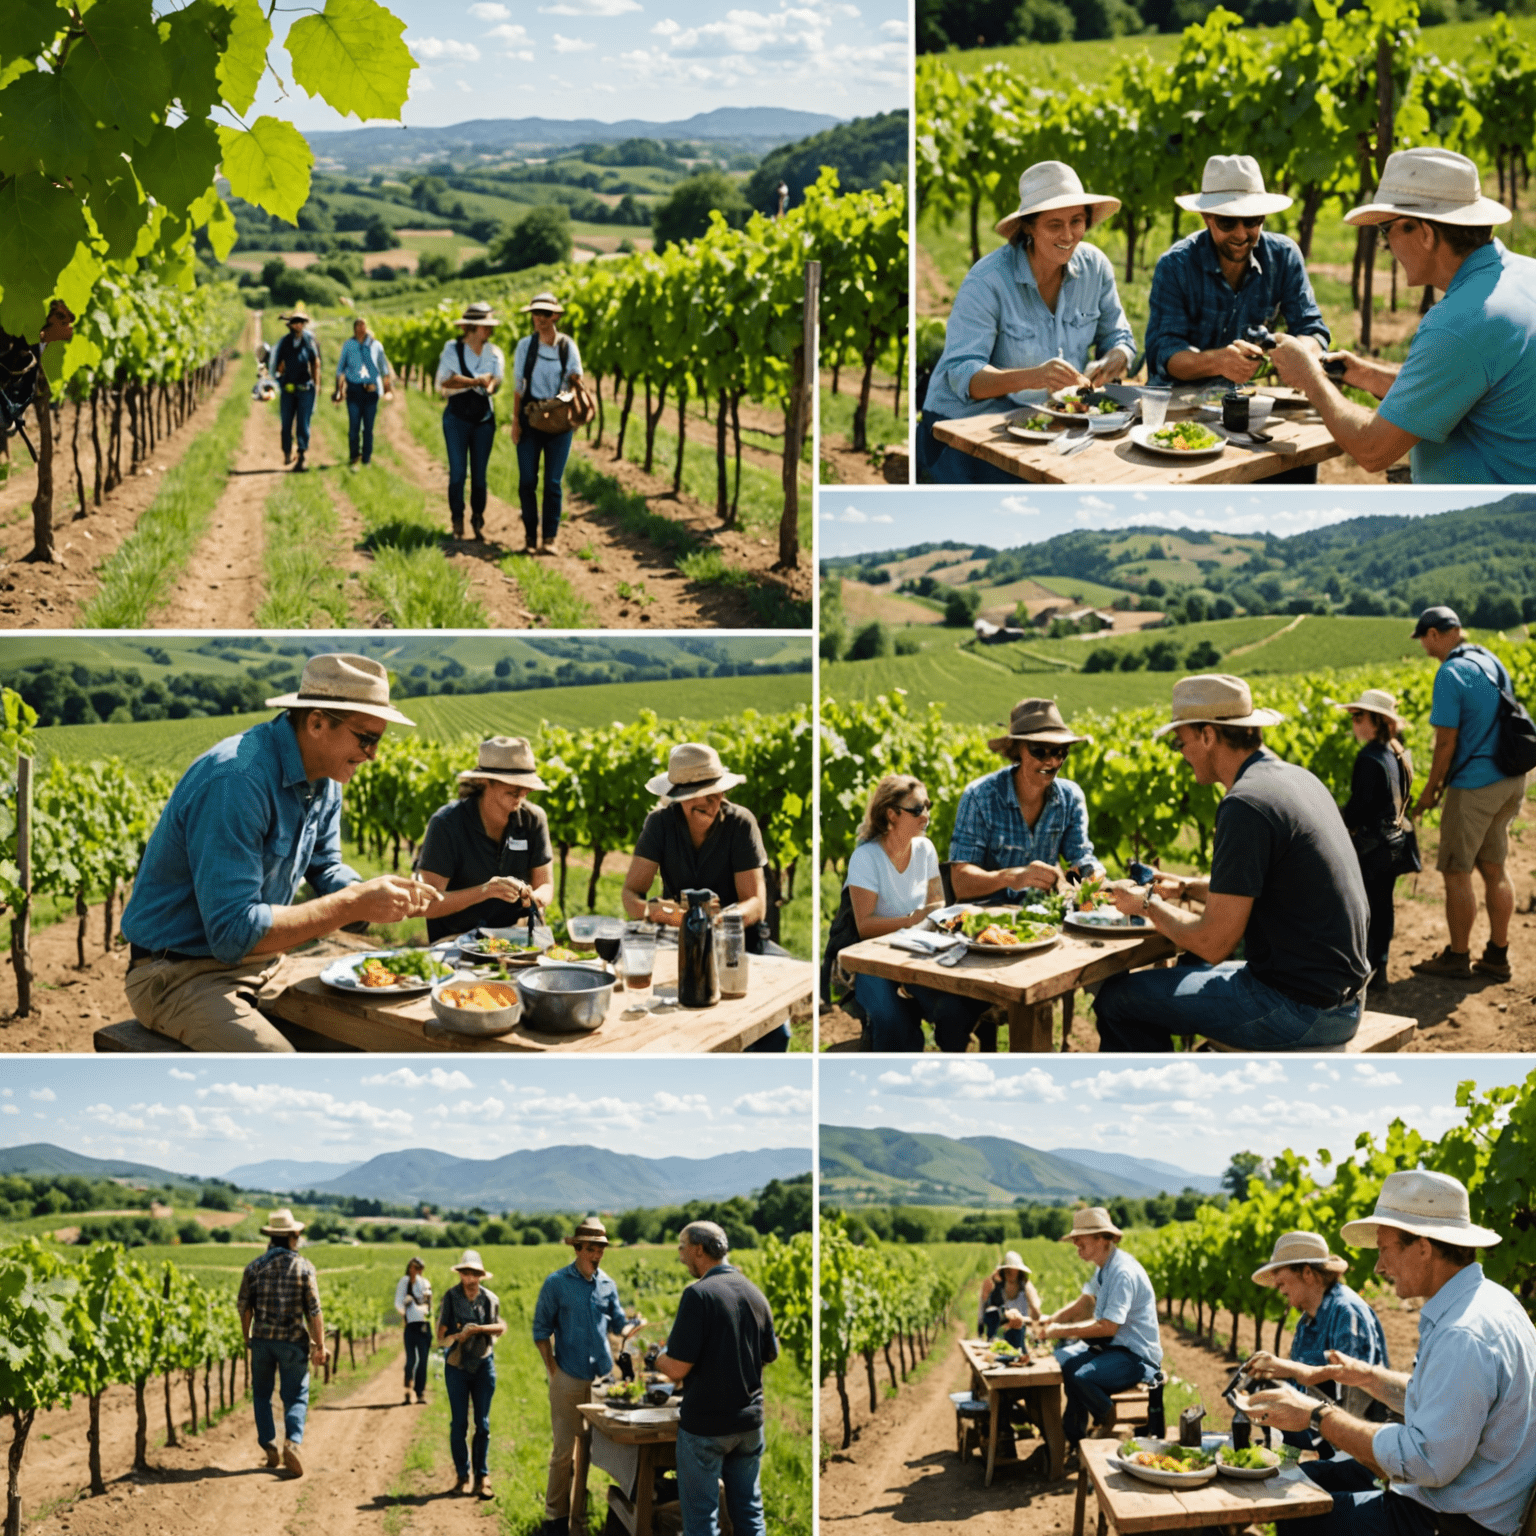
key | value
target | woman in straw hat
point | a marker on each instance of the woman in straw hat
(488, 852)
(1007, 1294)
(469, 373)
(543, 366)
(1027, 317)
(468, 1325)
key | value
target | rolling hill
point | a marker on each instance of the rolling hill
(282, 1173)
(43, 1157)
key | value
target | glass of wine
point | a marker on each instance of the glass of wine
(607, 939)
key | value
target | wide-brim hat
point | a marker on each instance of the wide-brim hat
(1425, 1204)
(479, 314)
(281, 1224)
(693, 769)
(1092, 1221)
(1430, 183)
(1011, 1260)
(1037, 720)
(343, 682)
(298, 312)
(508, 760)
(1379, 702)
(1215, 698)
(589, 1230)
(1233, 187)
(1053, 184)
(1298, 1248)
(472, 1261)
(546, 302)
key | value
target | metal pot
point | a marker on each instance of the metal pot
(565, 999)
(477, 1021)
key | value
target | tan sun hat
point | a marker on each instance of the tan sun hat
(1298, 1248)
(1215, 698)
(343, 682)
(1379, 702)
(508, 760)
(1036, 720)
(1233, 188)
(1052, 184)
(693, 769)
(472, 1261)
(1430, 183)
(588, 1230)
(1425, 1204)
(1011, 1260)
(281, 1224)
(1092, 1221)
(545, 302)
(479, 313)
(298, 312)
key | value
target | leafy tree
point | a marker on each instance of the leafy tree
(1102, 659)
(1203, 655)
(1244, 1167)
(378, 236)
(685, 214)
(541, 237)
(961, 605)
(869, 641)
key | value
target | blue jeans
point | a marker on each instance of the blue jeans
(897, 1022)
(939, 464)
(286, 1364)
(1360, 1508)
(362, 406)
(703, 1463)
(418, 1341)
(1089, 1376)
(1144, 1010)
(294, 411)
(463, 1388)
(469, 447)
(556, 449)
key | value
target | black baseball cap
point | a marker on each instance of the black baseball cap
(1439, 617)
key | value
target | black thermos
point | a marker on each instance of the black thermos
(698, 982)
(1157, 1424)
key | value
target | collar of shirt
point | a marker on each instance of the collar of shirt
(1209, 258)
(1263, 754)
(1024, 272)
(1490, 255)
(1454, 1293)
(1005, 791)
(575, 1269)
(291, 760)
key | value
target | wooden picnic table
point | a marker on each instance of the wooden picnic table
(777, 986)
(1027, 985)
(1040, 1383)
(1132, 1505)
(657, 1447)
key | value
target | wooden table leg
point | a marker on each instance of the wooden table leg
(1050, 1427)
(994, 1408)
(1082, 1502)
(582, 1460)
(645, 1491)
(1068, 1007)
(1029, 1027)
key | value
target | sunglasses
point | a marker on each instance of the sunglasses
(1407, 225)
(367, 740)
(1226, 226)
(1045, 751)
(589, 1247)
(916, 810)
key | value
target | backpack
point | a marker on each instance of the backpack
(18, 384)
(470, 404)
(1514, 750)
(572, 407)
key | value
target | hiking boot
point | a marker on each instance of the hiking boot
(270, 1452)
(407, 1395)
(458, 532)
(298, 467)
(1457, 966)
(421, 1397)
(291, 1462)
(1494, 963)
(287, 455)
(461, 1483)
(551, 547)
(483, 1488)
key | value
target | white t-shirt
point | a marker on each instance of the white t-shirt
(487, 362)
(896, 893)
(413, 1298)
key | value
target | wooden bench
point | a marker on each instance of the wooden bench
(131, 1038)
(1377, 1032)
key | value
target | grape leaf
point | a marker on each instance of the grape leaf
(44, 125)
(116, 203)
(351, 56)
(177, 164)
(75, 282)
(40, 226)
(119, 66)
(30, 25)
(220, 226)
(245, 54)
(195, 40)
(268, 165)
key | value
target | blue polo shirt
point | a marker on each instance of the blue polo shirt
(1122, 1293)
(1466, 700)
(579, 1314)
(1467, 390)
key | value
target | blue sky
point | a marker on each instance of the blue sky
(1176, 1109)
(204, 1119)
(659, 60)
(855, 522)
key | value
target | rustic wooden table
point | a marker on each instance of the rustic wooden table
(1040, 1383)
(657, 1444)
(1131, 1505)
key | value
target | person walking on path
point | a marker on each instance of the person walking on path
(280, 1316)
(413, 1301)
(1480, 799)
(296, 367)
(362, 370)
(468, 1324)
(578, 1307)
(543, 366)
(721, 1339)
(469, 373)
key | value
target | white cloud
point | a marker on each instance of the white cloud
(404, 1077)
(9, 1109)
(484, 11)
(285, 1104)
(970, 1080)
(1331, 1073)
(1181, 1081)
(854, 515)
(1094, 504)
(896, 29)
(443, 50)
(666, 28)
(590, 8)
(42, 1095)
(465, 88)
(1018, 505)
(572, 44)
(774, 1103)
(509, 34)
(117, 1120)
(1374, 1077)
(490, 1108)
(1139, 496)
(7, 1093)
(183, 1077)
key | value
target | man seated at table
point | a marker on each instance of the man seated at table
(251, 820)
(1112, 1324)
(1463, 1460)
(1284, 881)
(1463, 403)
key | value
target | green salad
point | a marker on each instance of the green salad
(1254, 1457)
(1013, 927)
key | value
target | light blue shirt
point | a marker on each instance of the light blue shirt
(547, 381)
(991, 833)
(1468, 1443)
(579, 1314)
(1122, 1294)
(241, 832)
(363, 362)
(1466, 700)
(490, 363)
(1467, 390)
(1000, 318)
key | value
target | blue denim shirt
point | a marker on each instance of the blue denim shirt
(241, 832)
(990, 830)
(1343, 1322)
(579, 1314)
(363, 362)
(1122, 1293)
(1000, 318)
(1194, 309)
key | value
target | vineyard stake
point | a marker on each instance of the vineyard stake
(803, 396)
(21, 922)
(42, 500)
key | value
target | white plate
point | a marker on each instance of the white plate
(645, 1415)
(1031, 435)
(580, 962)
(1115, 922)
(1156, 1474)
(340, 974)
(1142, 437)
(931, 922)
(1250, 1474)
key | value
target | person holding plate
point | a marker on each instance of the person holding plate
(489, 851)
(1026, 318)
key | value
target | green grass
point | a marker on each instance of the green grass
(1337, 641)
(548, 593)
(770, 606)
(882, 426)
(138, 578)
(305, 588)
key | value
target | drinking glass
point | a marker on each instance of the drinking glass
(1154, 405)
(639, 955)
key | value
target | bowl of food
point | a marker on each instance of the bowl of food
(1166, 1463)
(1035, 428)
(1250, 1464)
(996, 931)
(469, 1006)
(1179, 439)
(565, 999)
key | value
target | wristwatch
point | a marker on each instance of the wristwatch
(1315, 1423)
(1146, 900)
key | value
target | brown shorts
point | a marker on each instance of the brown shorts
(207, 1005)
(1474, 825)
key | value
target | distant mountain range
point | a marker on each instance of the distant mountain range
(885, 1165)
(282, 1173)
(43, 1157)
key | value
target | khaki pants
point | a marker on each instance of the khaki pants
(1474, 825)
(207, 1005)
(566, 1394)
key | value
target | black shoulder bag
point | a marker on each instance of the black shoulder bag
(471, 405)
(1393, 847)
(1514, 751)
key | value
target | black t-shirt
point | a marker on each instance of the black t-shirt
(724, 1329)
(1376, 786)
(292, 356)
(1281, 840)
(457, 846)
(732, 846)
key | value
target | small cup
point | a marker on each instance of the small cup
(638, 951)
(1154, 405)
(1234, 411)
(1259, 408)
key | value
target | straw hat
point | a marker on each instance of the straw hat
(1011, 1260)
(298, 312)
(1091, 1222)
(1215, 698)
(1233, 187)
(588, 1230)
(693, 769)
(1425, 1204)
(1379, 702)
(340, 681)
(1051, 184)
(1036, 720)
(545, 303)
(479, 313)
(1298, 1248)
(1429, 183)
(472, 1261)
(508, 760)
(281, 1224)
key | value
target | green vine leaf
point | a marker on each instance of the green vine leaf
(352, 57)
(268, 165)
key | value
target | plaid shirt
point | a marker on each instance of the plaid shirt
(990, 830)
(281, 1290)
